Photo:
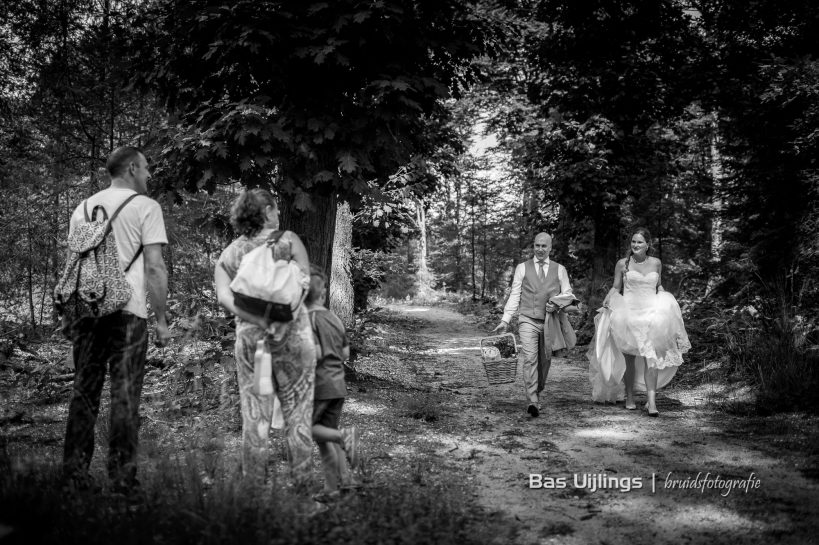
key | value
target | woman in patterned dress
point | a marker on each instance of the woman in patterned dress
(255, 216)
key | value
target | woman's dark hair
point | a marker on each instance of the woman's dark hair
(642, 231)
(318, 280)
(247, 215)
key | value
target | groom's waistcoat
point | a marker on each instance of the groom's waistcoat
(534, 294)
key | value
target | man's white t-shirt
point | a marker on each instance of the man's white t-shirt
(139, 223)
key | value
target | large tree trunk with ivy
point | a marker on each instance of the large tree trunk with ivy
(341, 282)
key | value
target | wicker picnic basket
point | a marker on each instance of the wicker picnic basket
(500, 358)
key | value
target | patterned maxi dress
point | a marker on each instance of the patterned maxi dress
(294, 367)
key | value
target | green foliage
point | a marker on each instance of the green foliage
(198, 230)
(368, 268)
(777, 350)
(474, 231)
(589, 107)
(63, 108)
(325, 96)
(768, 93)
(398, 281)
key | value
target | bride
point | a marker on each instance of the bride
(639, 336)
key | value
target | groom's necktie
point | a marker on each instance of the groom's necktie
(540, 274)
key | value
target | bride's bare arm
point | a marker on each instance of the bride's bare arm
(617, 284)
(660, 276)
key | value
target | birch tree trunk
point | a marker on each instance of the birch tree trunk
(341, 282)
(717, 227)
(484, 243)
(459, 276)
(423, 273)
(472, 247)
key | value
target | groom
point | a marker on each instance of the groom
(536, 281)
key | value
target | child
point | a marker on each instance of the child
(332, 348)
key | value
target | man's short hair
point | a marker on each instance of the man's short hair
(120, 158)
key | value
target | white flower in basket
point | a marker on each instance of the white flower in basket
(490, 353)
(500, 358)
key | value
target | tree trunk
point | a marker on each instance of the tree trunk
(409, 252)
(484, 249)
(341, 282)
(458, 279)
(52, 249)
(30, 265)
(107, 75)
(170, 226)
(605, 257)
(315, 227)
(423, 274)
(660, 217)
(472, 245)
(717, 227)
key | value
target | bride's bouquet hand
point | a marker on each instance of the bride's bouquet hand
(607, 300)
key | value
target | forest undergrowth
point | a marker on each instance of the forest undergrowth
(191, 486)
(191, 433)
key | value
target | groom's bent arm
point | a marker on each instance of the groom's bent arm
(513, 303)
(565, 297)
(565, 285)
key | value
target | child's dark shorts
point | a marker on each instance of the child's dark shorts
(327, 412)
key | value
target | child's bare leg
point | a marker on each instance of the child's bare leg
(344, 473)
(330, 460)
(322, 433)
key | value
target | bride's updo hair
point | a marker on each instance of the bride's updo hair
(643, 232)
(247, 215)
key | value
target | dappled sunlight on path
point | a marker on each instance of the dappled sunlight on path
(492, 436)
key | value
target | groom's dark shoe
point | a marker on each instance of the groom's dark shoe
(533, 411)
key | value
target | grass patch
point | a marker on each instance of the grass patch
(424, 407)
(778, 358)
(557, 529)
(199, 497)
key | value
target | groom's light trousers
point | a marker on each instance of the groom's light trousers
(536, 359)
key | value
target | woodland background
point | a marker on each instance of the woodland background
(418, 146)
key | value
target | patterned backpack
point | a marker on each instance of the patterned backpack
(92, 283)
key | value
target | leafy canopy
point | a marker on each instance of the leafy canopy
(324, 96)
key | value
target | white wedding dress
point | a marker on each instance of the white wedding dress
(643, 323)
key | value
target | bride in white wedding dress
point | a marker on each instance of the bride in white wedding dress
(639, 336)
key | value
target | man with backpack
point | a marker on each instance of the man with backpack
(116, 234)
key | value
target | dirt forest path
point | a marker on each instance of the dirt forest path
(501, 446)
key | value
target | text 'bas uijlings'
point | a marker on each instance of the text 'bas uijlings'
(587, 481)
